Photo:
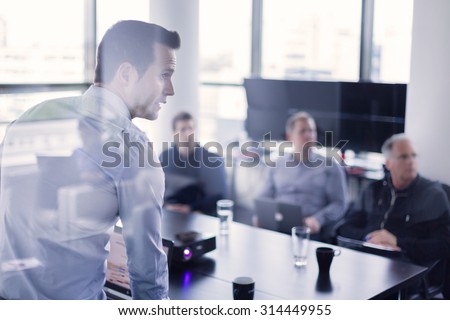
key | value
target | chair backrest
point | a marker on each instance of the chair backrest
(435, 286)
(446, 188)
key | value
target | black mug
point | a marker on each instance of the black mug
(325, 256)
(323, 283)
(243, 288)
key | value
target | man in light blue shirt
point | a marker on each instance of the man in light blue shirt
(314, 182)
(85, 165)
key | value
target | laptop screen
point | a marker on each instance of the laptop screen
(277, 216)
(117, 284)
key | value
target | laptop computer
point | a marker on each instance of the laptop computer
(117, 285)
(277, 216)
(176, 182)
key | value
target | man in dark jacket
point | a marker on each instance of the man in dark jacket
(195, 177)
(405, 211)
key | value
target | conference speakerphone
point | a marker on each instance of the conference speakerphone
(189, 245)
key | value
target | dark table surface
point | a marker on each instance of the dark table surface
(266, 257)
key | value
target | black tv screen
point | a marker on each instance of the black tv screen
(364, 114)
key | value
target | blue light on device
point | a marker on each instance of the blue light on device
(187, 253)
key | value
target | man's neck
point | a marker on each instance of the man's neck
(400, 184)
(185, 148)
(302, 155)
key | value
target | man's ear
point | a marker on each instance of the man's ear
(388, 164)
(126, 73)
(289, 136)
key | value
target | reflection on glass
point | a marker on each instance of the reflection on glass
(13, 105)
(59, 197)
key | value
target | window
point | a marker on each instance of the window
(39, 46)
(225, 39)
(111, 11)
(223, 110)
(391, 50)
(301, 39)
(224, 50)
(48, 48)
(311, 39)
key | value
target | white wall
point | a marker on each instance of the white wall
(428, 100)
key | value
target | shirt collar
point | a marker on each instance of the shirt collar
(107, 105)
(312, 157)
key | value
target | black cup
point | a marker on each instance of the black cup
(323, 283)
(243, 288)
(325, 256)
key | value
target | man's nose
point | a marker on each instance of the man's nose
(308, 135)
(169, 89)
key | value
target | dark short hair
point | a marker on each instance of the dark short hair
(131, 41)
(181, 116)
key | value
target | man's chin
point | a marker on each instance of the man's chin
(151, 116)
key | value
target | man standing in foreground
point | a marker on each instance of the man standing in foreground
(57, 211)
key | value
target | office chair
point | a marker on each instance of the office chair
(433, 287)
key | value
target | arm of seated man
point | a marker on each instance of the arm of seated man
(179, 207)
(384, 238)
(313, 224)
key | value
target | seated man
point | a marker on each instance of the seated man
(405, 211)
(195, 177)
(316, 183)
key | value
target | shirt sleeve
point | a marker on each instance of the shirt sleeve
(437, 245)
(140, 193)
(355, 224)
(268, 186)
(336, 190)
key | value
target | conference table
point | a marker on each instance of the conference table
(266, 256)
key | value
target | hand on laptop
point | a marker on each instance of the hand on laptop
(179, 207)
(313, 224)
(384, 238)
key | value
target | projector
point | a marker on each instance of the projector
(190, 245)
